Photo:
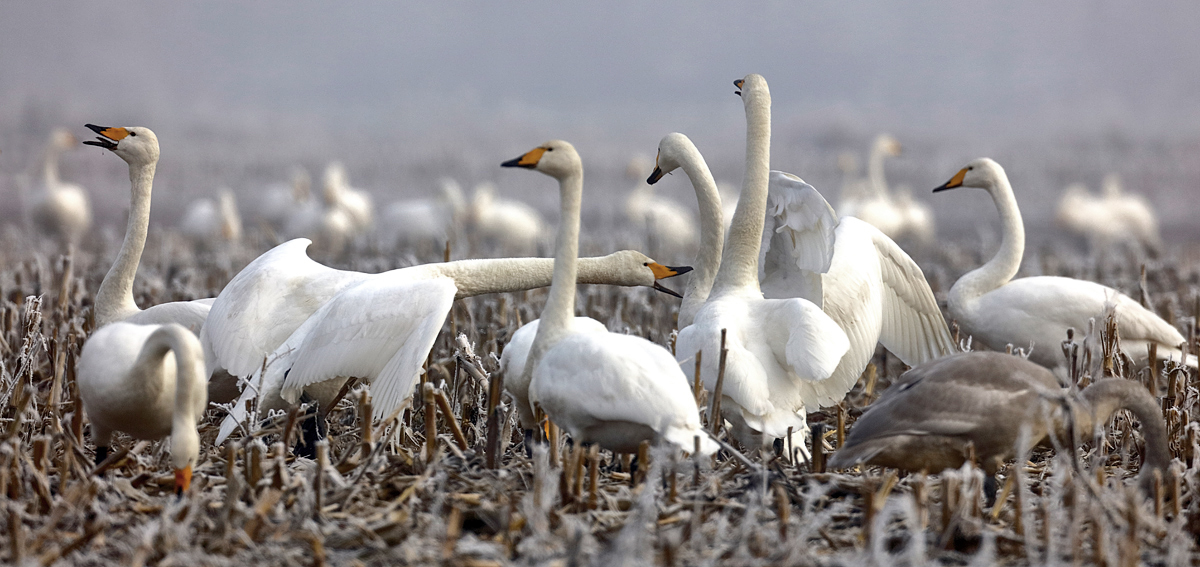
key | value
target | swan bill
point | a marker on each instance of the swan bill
(955, 181)
(663, 272)
(655, 176)
(110, 136)
(528, 161)
(183, 479)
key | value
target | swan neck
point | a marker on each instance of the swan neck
(501, 275)
(114, 300)
(1007, 261)
(712, 235)
(50, 166)
(739, 262)
(1107, 396)
(560, 307)
(875, 171)
(190, 386)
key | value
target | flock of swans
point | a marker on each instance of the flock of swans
(785, 307)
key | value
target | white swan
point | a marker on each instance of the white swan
(1110, 218)
(59, 208)
(668, 223)
(114, 301)
(1035, 312)
(147, 381)
(356, 203)
(424, 225)
(312, 323)
(774, 345)
(279, 201)
(605, 388)
(209, 222)
(511, 226)
(871, 201)
(859, 276)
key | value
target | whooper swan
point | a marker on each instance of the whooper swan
(605, 388)
(147, 381)
(57, 207)
(212, 222)
(1036, 312)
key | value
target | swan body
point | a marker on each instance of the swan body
(423, 224)
(668, 222)
(605, 388)
(138, 146)
(871, 201)
(208, 221)
(279, 201)
(283, 305)
(356, 203)
(1110, 218)
(60, 208)
(984, 399)
(774, 346)
(512, 226)
(146, 381)
(1036, 312)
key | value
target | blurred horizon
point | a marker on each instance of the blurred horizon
(241, 93)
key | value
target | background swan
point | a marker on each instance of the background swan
(1036, 312)
(927, 419)
(209, 222)
(284, 306)
(871, 201)
(356, 203)
(605, 388)
(509, 226)
(138, 146)
(667, 224)
(774, 345)
(146, 381)
(278, 202)
(423, 225)
(56, 207)
(1113, 217)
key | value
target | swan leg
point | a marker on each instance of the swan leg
(314, 426)
(103, 440)
(101, 454)
(989, 490)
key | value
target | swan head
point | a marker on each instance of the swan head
(335, 180)
(888, 145)
(982, 173)
(62, 139)
(641, 270)
(134, 144)
(555, 158)
(752, 87)
(671, 149)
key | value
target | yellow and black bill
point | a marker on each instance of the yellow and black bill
(108, 137)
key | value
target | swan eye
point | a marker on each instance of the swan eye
(549, 149)
(133, 133)
(969, 168)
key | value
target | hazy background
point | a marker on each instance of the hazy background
(241, 92)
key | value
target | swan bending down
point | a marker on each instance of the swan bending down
(512, 226)
(147, 381)
(59, 208)
(1110, 218)
(927, 419)
(774, 346)
(1036, 312)
(606, 388)
(114, 301)
(312, 323)
(209, 222)
(860, 277)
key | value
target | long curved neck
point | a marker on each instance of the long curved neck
(114, 301)
(560, 307)
(875, 170)
(1107, 396)
(1004, 265)
(499, 275)
(739, 263)
(189, 383)
(50, 166)
(712, 235)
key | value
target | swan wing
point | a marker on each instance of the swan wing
(803, 337)
(190, 314)
(913, 326)
(264, 303)
(380, 330)
(798, 239)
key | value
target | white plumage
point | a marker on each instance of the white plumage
(209, 222)
(870, 200)
(512, 226)
(59, 208)
(1113, 217)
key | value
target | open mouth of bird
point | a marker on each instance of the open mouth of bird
(108, 137)
(738, 83)
(662, 272)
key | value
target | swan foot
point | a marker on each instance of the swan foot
(101, 454)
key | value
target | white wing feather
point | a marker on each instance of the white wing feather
(798, 239)
(913, 326)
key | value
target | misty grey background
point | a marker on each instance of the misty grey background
(404, 93)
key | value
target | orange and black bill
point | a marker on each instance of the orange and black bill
(955, 181)
(663, 272)
(108, 136)
(528, 161)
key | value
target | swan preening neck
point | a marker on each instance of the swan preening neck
(985, 173)
(1106, 397)
(189, 373)
(139, 148)
(566, 167)
(677, 151)
(739, 262)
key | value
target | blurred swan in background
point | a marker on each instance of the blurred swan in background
(611, 389)
(56, 207)
(870, 200)
(667, 224)
(280, 201)
(356, 203)
(114, 301)
(510, 226)
(1036, 312)
(209, 222)
(1111, 218)
(423, 225)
